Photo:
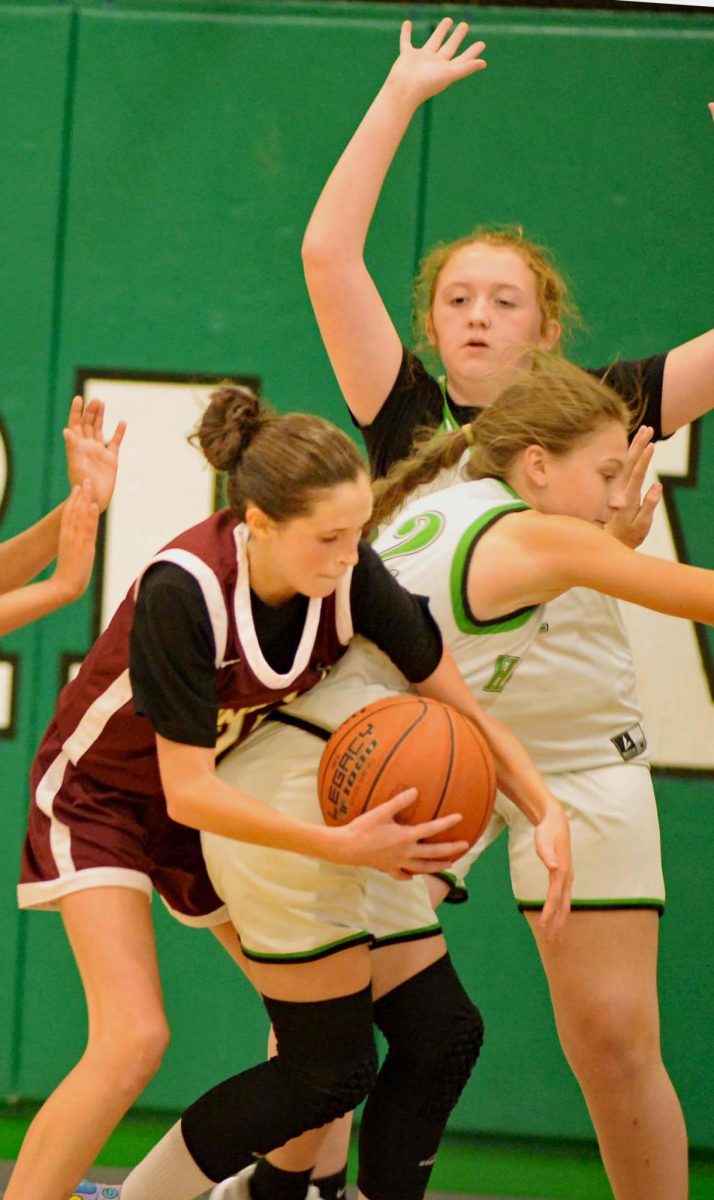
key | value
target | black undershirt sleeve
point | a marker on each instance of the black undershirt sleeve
(397, 621)
(639, 383)
(414, 402)
(172, 657)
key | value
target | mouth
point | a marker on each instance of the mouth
(477, 344)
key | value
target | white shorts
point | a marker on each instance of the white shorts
(614, 830)
(288, 907)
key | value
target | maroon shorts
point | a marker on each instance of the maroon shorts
(85, 834)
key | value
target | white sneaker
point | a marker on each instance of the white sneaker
(235, 1188)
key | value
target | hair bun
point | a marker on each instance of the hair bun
(233, 417)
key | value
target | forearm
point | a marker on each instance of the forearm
(340, 221)
(25, 604)
(29, 552)
(518, 778)
(207, 803)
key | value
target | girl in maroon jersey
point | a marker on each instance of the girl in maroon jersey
(239, 613)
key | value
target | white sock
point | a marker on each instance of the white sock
(167, 1173)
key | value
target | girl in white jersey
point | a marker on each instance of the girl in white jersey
(487, 553)
(482, 302)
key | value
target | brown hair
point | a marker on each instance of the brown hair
(279, 463)
(555, 405)
(553, 294)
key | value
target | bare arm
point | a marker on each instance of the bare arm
(25, 555)
(359, 335)
(88, 460)
(74, 545)
(520, 780)
(197, 797)
(530, 558)
(688, 386)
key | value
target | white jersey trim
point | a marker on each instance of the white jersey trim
(96, 718)
(46, 895)
(207, 580)
(249, 638)
(343, 608)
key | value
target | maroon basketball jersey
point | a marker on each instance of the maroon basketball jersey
(100, 730)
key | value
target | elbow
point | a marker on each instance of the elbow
(316, 252)
(180, 808)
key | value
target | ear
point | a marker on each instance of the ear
(535, 466)
(258, 522)
(550, 335)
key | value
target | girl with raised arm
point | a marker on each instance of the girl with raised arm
(482, 303)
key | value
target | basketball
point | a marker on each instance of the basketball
(409, 741)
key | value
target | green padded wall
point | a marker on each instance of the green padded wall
(180, 144)
(33, 65)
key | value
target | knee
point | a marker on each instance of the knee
(612, 1038)
(329, 1068)
(435, 1034)
(135, 1048)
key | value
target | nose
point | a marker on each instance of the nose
(616, 500)
(349, 555)
(478, 311)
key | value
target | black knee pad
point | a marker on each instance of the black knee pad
(435, 1034)
(325, 1065)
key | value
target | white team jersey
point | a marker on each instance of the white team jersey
(429, 547)
(574, 703)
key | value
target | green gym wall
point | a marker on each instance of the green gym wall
(160, 160)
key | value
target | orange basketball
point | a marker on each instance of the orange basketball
(409, 741)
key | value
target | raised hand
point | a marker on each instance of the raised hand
(634, 520)
(376, 839)
(427, 70)
(77, 542)
(88, 457)
(552, 842)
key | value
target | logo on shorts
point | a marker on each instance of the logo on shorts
(630, 742)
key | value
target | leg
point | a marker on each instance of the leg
(434, 1035)
(111, 934)
(603, 984)
(228, 937)
(326, 1063)
(391, 966)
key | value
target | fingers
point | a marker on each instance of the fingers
(650, 502)
(80, 517)
(557, 903)
(399, 803)
(447, 47)
(639, 459)
(435, 40)
(74, 420)
(117, 437)
(405, 37)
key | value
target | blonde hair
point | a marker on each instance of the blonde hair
(552, 292)
(279, 463)
(555, 405)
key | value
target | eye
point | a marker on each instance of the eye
(506, 303)
(328, 538)
(457, 300)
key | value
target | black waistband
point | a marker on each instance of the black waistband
(298, 723)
